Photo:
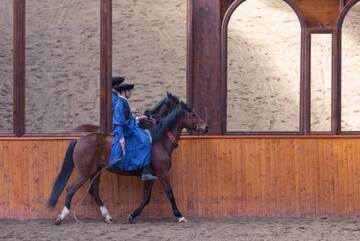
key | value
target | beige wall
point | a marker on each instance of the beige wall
(263, 67)
(63, 58)
(351, 70)
(6, 109)
(149, 47)
(321, 74)
(62, 64)
(264, 70)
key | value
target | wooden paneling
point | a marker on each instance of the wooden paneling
(319, 13)
(211, 176)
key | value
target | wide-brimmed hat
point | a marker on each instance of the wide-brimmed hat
(116, 80)
(123, 87)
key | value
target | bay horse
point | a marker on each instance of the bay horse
(91, 154)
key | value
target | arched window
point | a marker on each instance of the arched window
(149, 48)
(350, 76)
(263, 67)
(6, 70)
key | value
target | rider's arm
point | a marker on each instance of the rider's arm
(119, 123)
(119, 120)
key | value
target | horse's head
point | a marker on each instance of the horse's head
(192, 121)
(172, 102)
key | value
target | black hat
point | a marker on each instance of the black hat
(116, 80)
(123, 87)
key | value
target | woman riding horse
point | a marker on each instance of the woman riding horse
(91, 153)
(131, 147)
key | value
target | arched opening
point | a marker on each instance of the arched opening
(263, 67)
(350, 69)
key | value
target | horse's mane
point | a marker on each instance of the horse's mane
(166, 123)
(156, 107)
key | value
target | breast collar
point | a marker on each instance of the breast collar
(172, 138)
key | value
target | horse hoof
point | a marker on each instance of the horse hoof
(108, 220)
(130, 219)
(182, 220)
(58, 221)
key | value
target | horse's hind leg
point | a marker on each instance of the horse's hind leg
(71, 190)
(165, 181)
(94, 192)
(147, 195)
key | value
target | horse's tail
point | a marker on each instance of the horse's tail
(63, 176)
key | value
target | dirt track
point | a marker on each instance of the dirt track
(196, 229)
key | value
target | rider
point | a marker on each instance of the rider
(131, 143)
(116, 80)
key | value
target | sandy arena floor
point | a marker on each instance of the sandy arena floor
(196, 229)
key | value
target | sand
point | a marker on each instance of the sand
(247, 229)
(63, 58)
(149, 47)
(351, 71)
(264, 70)
(6, 104)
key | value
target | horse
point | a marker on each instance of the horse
(154, 115)
(91, 154)
(166, 105)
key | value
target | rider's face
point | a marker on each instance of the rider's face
(128, 94)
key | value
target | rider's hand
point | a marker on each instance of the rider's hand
(141, 118)
(122, 144)
(135, 110)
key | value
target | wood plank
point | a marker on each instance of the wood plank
(211, 177)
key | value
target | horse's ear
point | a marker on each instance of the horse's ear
(183, 105)
(168, 94)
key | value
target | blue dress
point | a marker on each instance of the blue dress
(137, 141)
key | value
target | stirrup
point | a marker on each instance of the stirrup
(148, 177)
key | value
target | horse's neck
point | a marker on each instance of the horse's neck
(175, 132)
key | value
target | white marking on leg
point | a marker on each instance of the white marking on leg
(105, 214)
(182, 220)
(64, 212)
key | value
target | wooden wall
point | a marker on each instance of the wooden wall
(319, 13)
(211, 176)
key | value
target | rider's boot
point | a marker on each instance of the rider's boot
(147, 174)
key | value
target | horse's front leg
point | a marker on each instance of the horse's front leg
(165, 181)
(147, 195)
